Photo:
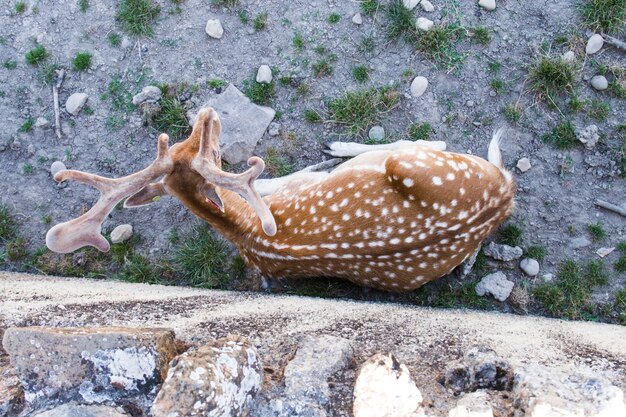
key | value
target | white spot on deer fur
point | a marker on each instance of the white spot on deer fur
(467, 175)
(463, 166)
(329, 195)
(423, 265)
(462, 191)
(312, 210)
(400, 220)
(406, 165)
(408, 182)
(359, 245)
(450, 176)
(345, 217)
(350, 185)
(334, 207)
(394, 241)
(437, 180)
(385, 211)
(439, 163)
(357, 194)
(462, 215)
(345, 245)
(344, 202)
(453, 203)
(408, 239)
(422, 236)
(288, 222)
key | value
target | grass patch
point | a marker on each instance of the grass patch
(216, 83)
(550, 78)
(512, 112)
(596, 231)
(620, 264)
(357, 111)
(420, 131)
(36, 55)
(598, 110)
(312, 116)
(438, 44)
(225, 3)
(201, 259)
(481, 35)
(260, 21)
(28, 169)
(172, 118)
(563, 136)
(277, 163)
(603, 15)
(367, 44)
(83, 5)
(259, 93)
(361, 73)
(82, 61)
(451, 296)
(298, 41)
(119, 94)
(10, 64)
(137, 16)
(334, 18)
(497, 85)
(619, 306)
(369, 7)
(511, 235)
(401, 21)
(576, 104)
(8, 226)
(27, 126)
(323, 68)
(536, 252)
(46, 72)
(20, 7)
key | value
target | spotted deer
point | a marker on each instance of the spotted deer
(393, 218)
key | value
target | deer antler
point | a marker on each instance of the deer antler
(242, 184)
(85, 230)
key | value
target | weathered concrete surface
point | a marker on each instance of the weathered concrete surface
(426, 340)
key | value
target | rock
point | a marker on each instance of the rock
(424, 24)
(547, 277)
(427, 6)
(419, 86)
(410, 4)
(548, 392)
(487, 4)
(599, 82)
(243, 123)
(220, 379)
(475, 404)
(579, 242)
(274, 129)
(594, 44)
(148, 94)
(524, 164)
(42, 122)
(357, 19)
(93, 365)
(465, 268)
(384, 387)
(81, 410)
(75, 103)
(121, 233)
(604, 252)
(529, 266)
(214, 28)
(56, 167)
(569, 56)
(480, 368)
(11, 393)
(377, 133)
(264, 74)
(589, 136)
(495, 284)
(504, 253)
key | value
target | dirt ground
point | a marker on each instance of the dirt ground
(555, 199)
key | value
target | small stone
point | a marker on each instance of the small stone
(149, 94)
(42, 122)
(410, 4)
(580, 242)
(274, 129)
(56, 167)
(487, 4)
(384, 387)
(214, 28)
(504, 253)
(419, 86)
(594, 44)
(377, 133)
(523, 164)
(427, 6)
(424, 24)
(480, 368)
(16, 145)
(589, 136)
(569, 56)
(602, 252)
(357, 19)
(475, 404)
(121, 233)
(599, 82)
(547, 277)
(264, 74)
(75, 103)
(529, 266)
(495, 284)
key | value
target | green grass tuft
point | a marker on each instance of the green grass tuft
(27, 126)
(361, 73)
(334, 18)
(260, 21)
(536, 252)
(259, 93)
(225, 3)
(481, 35)
(36, 55)
(597, 232)
(20, 7)
(512, 112)
(323, 68)
(298, 41)
(8, 226)
(511, 235)
(439, 44)
(562, 136)
(312, 116)
(497, 85)
(83, 5)
(598, 110)
(201, 259)
(10, 64)
(401, 21)
(603, 15)
(114, 39)
(216, 83)
(568, 296)
(82, 61)
(420, 131)
(137, 16)
(172, 118)
(369, 7)
(550, 78)
(119, 94)
(277, 163)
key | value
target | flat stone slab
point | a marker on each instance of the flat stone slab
(92, 365)
(243, 123)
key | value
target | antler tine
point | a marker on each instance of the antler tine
(85, 230)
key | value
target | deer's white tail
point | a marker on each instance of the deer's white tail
(495, 156)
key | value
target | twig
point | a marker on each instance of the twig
(611, 207)
(615, 42)
(58, 80)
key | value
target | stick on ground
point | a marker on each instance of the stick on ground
(611, 207)
(58, 80)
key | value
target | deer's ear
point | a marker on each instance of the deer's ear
(148, 194)
(208, 192)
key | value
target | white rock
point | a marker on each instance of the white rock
(377, 133)
(121, 233)
(56, 167)
(384, 387)
(264, 74)
(602, 252)
(424, 24)
(569, 56)
(547, 277)
(418, 86)
(75, 103)
(410, 4)
(148, 94)
(529, 266)
(594, 44)
(524, 164)
(214, 28)
(599, 82)
(487, 4)
(357, 19)
(495, 284)
(427, 6)
(589, 136)
(42, 122)
(475, 404)
(274, 129)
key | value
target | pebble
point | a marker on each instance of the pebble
(529, 266)
(418, 86)
(357, 19)
(424, 24)
(75, 103)
(547, 277)
(410, 4)
(148, 94)
(602, 252)
(524, 164)
(274, 129)
(569, 56)
(599, 82)
(214, 28)
(56, 167)
(264, 74)
(126, 43)
(377, 133)
(427, 6)
(594, 44)
(589, 136)
(42, 122)
(487, 4)
(121, 233)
